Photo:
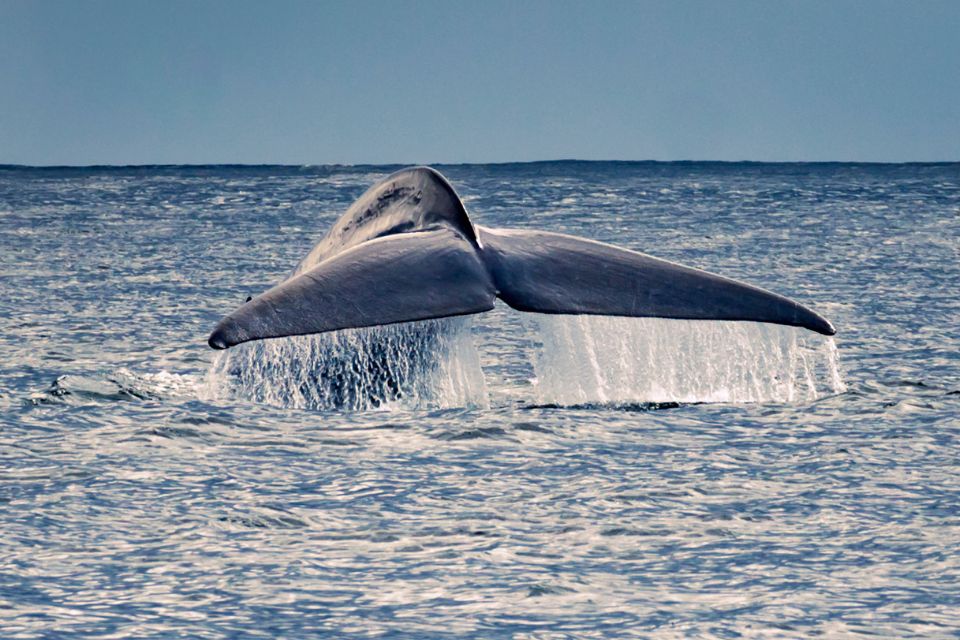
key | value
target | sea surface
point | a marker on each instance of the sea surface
(503, 475)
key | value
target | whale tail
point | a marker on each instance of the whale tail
(439, 273)
(407, 250)
(553, 273)
(397, 278)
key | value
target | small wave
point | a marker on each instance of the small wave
(262, 518)
(121, 385)
(74, 389)
(626, 407)
(477, 433)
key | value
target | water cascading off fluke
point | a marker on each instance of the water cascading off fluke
(611, 360)
(579, 360)
(428, 364)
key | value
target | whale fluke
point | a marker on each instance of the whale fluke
(401, 278)
(406, 250)
(548, 272)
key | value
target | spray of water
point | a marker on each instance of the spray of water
(433, 363)
(580, 360)
(604, 360)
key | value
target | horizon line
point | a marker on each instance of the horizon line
(252, 165)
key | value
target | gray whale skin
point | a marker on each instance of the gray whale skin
(406, 250)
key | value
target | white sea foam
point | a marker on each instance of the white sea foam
(592, 359)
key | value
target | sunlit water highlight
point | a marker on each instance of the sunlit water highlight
(134, 503)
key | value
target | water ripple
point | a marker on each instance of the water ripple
(135, 503)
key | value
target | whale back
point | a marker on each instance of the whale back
(415, 199)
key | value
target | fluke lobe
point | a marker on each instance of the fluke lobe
(406, 250)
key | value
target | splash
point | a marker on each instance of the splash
(580, 360)
(427, 364)
(604, 360)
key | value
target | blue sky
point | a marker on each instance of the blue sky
(133, 82)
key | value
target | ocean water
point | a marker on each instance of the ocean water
(504, 475)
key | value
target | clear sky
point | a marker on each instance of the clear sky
(134, 82)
